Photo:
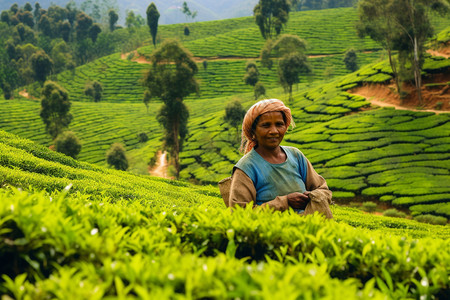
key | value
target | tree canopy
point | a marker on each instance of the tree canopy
(55, 106)
(271, 16)
(152, 21)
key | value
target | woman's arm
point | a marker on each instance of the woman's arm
(243, 191)
(316, 184)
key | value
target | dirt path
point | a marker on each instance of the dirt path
(369, 95)
(143, 60)
(160, 169)
(25, 94)
(435, 94)
(445, 52)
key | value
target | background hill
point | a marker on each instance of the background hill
(170, 10)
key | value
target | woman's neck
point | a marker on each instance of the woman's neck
(273, 156)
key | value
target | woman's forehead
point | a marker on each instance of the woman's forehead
(271, 115)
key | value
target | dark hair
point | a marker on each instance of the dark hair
(258, 117)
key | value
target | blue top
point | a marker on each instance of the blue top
(272, 180)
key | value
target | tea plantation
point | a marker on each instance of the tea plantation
(81, 231)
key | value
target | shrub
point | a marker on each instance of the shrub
(142, 137)
(116, 157)
(369, 206)
(7, 91)
(68, 144)
(430, 219)
(392, 212)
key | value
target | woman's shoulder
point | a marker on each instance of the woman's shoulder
(248, 158)
(293, 150)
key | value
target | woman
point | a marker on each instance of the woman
(272, 175)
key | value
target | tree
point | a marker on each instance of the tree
(152, 21)
(68, 144)
(187, 12)
(65, 29)
(7, 90)
(28, 7)
(94, 90)
(55, 106)
(134, 21)
(259, 89)
(234, 114)
(83, 24)
(271, 16)
(402, 25)
(412, 16)
(94, 32)
(113, 17)
(186, 30)
(116, 157)
(292, 61)
(350, 60)
(42, 65)
(4, 17)
(147, 98)
(252, 75)
(290, 66)
(171, 78)
(377, 20)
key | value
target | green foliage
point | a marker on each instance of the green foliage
(392, 212)
(183, 241)
(350, 60)
(430, 219)
(116, 157)
(152, 21)
(42, 65)
(68, 144)
(55, 106)
(94, 89)
(369, 206)
(113, 18)
(271, 16)
(171, 83)
(234, 114)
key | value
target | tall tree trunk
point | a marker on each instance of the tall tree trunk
(417, 71)
(394, 70)
(176, 147)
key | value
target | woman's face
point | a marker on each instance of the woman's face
(270, 130)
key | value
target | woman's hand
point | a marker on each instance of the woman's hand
(298, 200)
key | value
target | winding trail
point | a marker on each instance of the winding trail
(160, 169)
(143, 60)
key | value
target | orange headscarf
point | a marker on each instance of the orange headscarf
(256, 110)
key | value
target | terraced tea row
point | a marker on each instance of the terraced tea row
(396, 156)
(97, 126)
(121, 79)
(330, 31)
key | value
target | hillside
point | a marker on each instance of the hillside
(404, 160)
(92, 232)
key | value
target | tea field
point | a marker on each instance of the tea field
(73, 228)
(397, 157)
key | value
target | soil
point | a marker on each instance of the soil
(25, 94)
(435, 98)
(160, 168)
(444, 51)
